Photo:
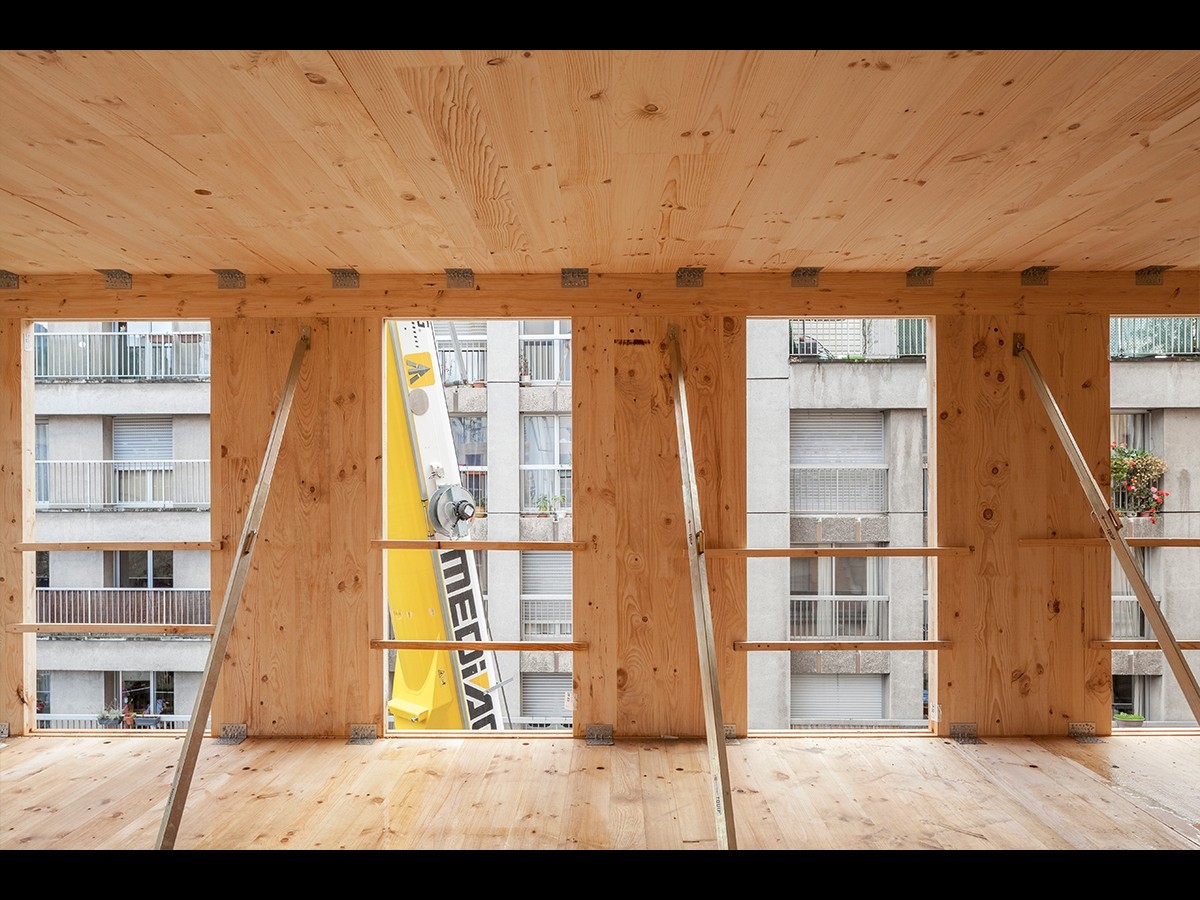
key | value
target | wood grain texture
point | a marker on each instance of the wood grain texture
(1019, 619)
(17, 649)
(299, 660)
(426, 295)
(798, 792)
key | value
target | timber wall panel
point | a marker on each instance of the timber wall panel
(1018, 619)
(18, 705)
(633, 598)
(299, 661)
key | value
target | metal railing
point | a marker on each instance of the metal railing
(545, 618)
(474, 480)
(123, 606)
(86, 722)
(122, 484)
(857, 339)
(1137, 338)
(824, 490)
(474, 361)
(545, 360)
(1128, 620)
(837, 618)
(116, 356)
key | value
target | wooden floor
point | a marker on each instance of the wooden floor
(1133, 791)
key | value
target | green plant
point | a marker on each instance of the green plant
(550, 502)
(1129, 717)
(1136, 473)
(111, 712)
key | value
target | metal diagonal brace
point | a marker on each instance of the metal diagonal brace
(1110, 525)
(714, 725)
(233, 594)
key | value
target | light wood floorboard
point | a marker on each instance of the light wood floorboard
(812, 792)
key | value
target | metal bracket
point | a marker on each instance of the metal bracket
(9, 281)
(1084, 732)
(920, 276)
(689, 277)
(964, 733)
(1036, 275)
(116, 279)
(574, 278)
(598, 735)
(228, 279)
(731, 733)
(460, 278)
(344, 278)
(805, 277)
(362, 734)
(232, 734)
(3, 730)
(1150, 275)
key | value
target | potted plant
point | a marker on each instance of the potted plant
(1135, 477)
(1128, 720)
(549, 503)
(109, 717)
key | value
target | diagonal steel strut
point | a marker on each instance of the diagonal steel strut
(233, 594)
(1110, 525)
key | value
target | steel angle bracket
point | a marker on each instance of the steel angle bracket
(362, 734)
(598, 735)
(232, 734)
(964, 733)
(1083, 732)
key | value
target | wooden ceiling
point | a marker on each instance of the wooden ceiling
(621, 161)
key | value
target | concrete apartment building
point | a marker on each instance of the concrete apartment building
(836, 433)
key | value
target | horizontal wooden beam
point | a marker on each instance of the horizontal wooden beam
(478, 645)
(480, 545)
(765, 552)
(106, 628)
(409, 296)
(1101, 542)
(117, 545)
(1140, 645)
(840, 645)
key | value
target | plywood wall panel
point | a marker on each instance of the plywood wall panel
(16, 523)
(1018, 618)
(299, 661)
(634, 591)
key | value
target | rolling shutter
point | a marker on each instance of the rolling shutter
(837, 697)
(836, 437)
(142, 437)
(546, 572)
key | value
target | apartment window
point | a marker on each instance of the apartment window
(1131, 429)
(544, 699)
(142, 691)
(545, 595)
(143, 451)
(461, 351)
(835, 699)
(838, 465)
(836, 597)
(144, 569)
(43, 693)
(41, 453)
(1128, 620)
(545, 347)
(545, 462)
(470, 445)
(41, 568)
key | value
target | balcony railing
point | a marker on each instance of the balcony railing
(123, 606)
(473, 353)
(474, 480)
(1137, 338)
(1128, 620)
(118, 356)
(820, 490)
(545, 360)
(122, 484)
(545, 618)
(857, 339)
(839, 618)
(91, 722)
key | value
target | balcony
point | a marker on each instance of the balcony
(816, 618)
(123, 606)
(821, 490)
(119, 356)
(122, 484)
(545, 360)
(857, 339)
(465, 365)
(1141, 338)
